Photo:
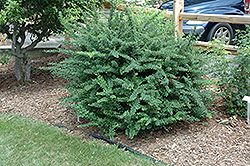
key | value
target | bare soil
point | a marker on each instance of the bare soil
(206, 142)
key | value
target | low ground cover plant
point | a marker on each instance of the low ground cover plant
(129, 72)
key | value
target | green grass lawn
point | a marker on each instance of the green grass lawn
(23, 142)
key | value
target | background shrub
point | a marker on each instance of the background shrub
(149, 3)
(233, 74)
(89, 5)
(129, 72)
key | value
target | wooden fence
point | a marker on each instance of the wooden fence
(179, 15)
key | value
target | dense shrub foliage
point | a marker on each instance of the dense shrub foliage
(128, 72)
(233, 74)
(88, 5)
(150, 3)
(155, 3)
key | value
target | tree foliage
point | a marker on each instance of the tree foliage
(40, 18)
(129, 72)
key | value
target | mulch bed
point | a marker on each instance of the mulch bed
(206, 142)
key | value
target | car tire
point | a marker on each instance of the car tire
(221, 31)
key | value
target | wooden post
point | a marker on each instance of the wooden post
(178, 9)
(247, 98)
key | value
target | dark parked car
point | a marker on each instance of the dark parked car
(211, 30)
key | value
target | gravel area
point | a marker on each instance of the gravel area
(207, 142)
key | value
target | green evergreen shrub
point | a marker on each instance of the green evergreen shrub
(150, 3)
(89, 4)
(155, 3)
(129, 72)
(233, 74)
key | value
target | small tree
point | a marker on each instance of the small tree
(37, 17)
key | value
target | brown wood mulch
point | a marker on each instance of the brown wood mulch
(206, 142)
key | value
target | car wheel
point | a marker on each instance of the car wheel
(221, 31)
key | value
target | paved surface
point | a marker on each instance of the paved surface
(53, 41)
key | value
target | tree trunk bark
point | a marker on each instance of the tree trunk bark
(26, 69)
(22, 66)
(18, 70)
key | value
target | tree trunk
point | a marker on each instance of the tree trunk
(22, 68)
(18, 70)
(26, 69)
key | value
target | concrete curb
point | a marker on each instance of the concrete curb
(37, 52)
